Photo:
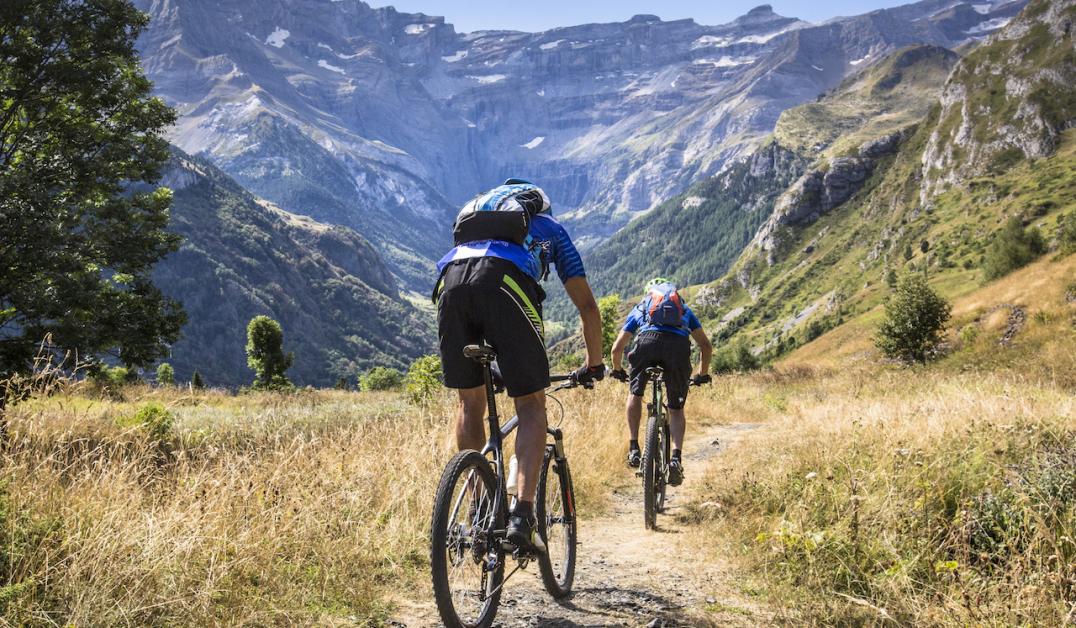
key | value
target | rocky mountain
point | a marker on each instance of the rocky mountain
(822, 150)
(385, 121)
(930, 196)
(243, 256)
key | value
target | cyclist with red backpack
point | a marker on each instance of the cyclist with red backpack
(490, 292)
(663, 324)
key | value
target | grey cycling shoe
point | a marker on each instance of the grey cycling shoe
(635, 458)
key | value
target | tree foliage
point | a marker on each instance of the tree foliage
(197, 381)
(423, 379)
(166, 375)
(1013, 247)
(80, 225)
(265, 354)
(915, 320)
(380, 378)
(609, 307)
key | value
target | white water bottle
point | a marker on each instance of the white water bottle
(513, 469)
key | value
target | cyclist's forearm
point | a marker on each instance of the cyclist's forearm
(592, 335)
(617, 352)
(706, 350)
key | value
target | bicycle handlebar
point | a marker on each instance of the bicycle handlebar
(569, 382)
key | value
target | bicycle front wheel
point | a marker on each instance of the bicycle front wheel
(466, 560)
(555, 511)
(653, 472)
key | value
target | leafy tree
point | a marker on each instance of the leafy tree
(1013, 247)
(265, 354)
(915, 319)
(380, 378)
(423, 379)
(609, 307)
(197, 381)
(166, 376)
(81, 143)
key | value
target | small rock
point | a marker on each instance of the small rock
(810, 476)
(657, 623)
(711, 600)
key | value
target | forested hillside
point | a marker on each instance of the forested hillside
(338, 304)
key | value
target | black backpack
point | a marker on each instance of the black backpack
(503, 213)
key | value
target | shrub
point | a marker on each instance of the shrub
(423, 379)
(166, 376)
(1066, 233)
(734, 357)
(197, 381)
(153, 418)
(915, 319)
(1013, 247)
(265, 354)
(380, 378)
(112, 377)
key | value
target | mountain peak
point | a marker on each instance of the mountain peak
(643, 18)
(761, 14)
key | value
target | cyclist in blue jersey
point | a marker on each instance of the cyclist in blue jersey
(490, 291)
(667, 346)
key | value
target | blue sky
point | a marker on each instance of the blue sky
(538, 15)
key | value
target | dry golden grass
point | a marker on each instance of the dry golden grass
(941, 495)
(258, 508)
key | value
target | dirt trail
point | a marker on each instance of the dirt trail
(627, 576)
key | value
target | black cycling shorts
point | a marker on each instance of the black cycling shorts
(672, 352)
(490, 299)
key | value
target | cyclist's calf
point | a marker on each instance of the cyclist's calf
(530, 442)
(471, 420)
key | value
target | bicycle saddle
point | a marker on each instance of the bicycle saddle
(481, 353)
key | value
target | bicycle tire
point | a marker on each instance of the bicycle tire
(558, 585)
(651, 474)
(663, 465)
(446, 506)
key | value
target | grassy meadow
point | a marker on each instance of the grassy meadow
(871, 492)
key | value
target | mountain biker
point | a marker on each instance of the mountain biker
(667, 346)
(490, 291)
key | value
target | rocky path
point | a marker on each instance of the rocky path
(628, 576)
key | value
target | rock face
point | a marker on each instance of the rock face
(814, 194)
(1009, 99)
(386, 121)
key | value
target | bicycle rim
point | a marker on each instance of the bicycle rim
(557, 525)
(466, 590)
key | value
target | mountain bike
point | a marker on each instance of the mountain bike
(657, 449)
(469, 546)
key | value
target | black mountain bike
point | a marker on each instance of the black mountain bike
(657, 450)
(469, 548)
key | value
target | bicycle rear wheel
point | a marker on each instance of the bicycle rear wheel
(555, 511)
(653, 472)
(465, 586)
(663, 465)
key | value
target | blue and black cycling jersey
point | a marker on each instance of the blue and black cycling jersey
(548, 243)
(636, 322)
